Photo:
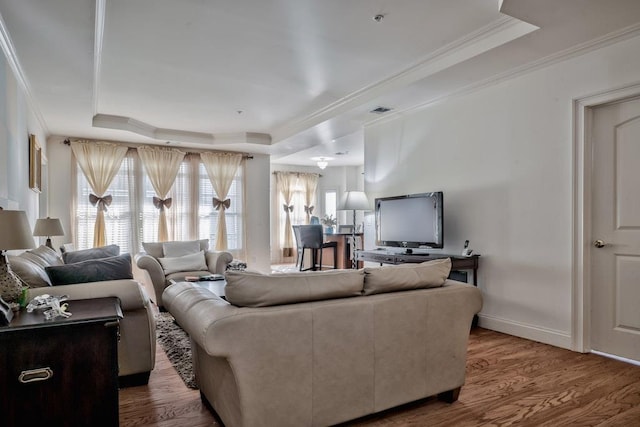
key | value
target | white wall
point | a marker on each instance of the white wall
(17, 121)
(503, 157)
(256, 200)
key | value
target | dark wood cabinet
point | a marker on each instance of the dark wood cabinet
(62, 372)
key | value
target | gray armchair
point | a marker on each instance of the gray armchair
(158, 255)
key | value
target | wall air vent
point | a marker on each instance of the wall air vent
(380, 110)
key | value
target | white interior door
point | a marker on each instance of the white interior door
(615, 254)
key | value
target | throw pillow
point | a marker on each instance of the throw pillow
(47, 254)
(93, 270)
(191, 262)
(29, 272)
(92, 253)
(178, 249)
(251, 289)
(155, 248)
(406, 277)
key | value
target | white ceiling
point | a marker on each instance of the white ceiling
(291, 78)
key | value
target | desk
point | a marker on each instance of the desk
(344, 248)
(458, 262)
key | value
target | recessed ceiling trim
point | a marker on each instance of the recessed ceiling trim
(580, 49)
(497, 33)
(97, 50)
(110, 121)
(21, 78)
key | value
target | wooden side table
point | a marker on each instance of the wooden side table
(62, 372)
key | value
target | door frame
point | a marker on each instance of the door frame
(581, 207)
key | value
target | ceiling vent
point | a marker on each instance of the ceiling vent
(380, 110)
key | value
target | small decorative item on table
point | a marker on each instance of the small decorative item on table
(51, 304)
(329, 223)
(236, 265)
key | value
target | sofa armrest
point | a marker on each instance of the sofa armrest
(152, 265)
(131, 294)
(217, 261)
(196, 310)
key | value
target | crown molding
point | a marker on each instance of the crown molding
(492, 35)
(129, 124)
(14, 63)
(574, 51)
(98, 42)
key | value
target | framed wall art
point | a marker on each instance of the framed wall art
(35, 164)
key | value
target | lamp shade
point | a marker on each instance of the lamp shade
(48, 227)
(15, 231)
(354, 200)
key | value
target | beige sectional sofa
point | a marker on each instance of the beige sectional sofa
(316, 349)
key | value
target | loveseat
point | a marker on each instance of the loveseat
(42, 268)
(320, 348)
(175, 260)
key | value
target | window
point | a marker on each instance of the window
(119, 217)
(132, 218)
(330, 202)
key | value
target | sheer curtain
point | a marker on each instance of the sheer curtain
(285, 182)
(310, 184)
(221, 168)
(100, 162)
(162, 167)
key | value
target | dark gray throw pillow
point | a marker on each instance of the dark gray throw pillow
(93, 253)
(94, 270)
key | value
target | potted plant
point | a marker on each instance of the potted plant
(329, 222)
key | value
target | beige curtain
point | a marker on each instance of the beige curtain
(310, 183)
(100, 162)
(285, 182)
(221, 168)
(162, 167)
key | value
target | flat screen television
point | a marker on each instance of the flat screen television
(411, 221)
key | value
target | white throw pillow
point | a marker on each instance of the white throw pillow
(191, 262)
(178, 249)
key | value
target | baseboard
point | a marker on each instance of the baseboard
(522, 330)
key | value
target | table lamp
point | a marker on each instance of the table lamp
(354, 201)
(48, 227)
(15, 233)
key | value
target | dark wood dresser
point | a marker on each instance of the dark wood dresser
(62, 372)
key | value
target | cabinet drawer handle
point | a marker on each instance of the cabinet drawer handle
(33, 375)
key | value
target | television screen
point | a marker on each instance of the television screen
(410, 221)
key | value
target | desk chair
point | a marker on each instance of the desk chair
(311, 237)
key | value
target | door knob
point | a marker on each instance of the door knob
(599, 243)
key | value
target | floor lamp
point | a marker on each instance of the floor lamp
(354, 201)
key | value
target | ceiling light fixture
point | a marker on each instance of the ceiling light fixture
(322, 162)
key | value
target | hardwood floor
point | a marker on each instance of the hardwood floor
(510, 381)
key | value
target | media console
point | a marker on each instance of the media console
(458, 262)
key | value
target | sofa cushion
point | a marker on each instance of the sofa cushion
(155, 248)
(178, 249)
(252, 289)
(92, 253)
(93, 270)
(29, 272)
(429, 274)
(48, 255)
(35, 259)
(190, 262)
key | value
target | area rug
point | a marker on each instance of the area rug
(177, 346)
